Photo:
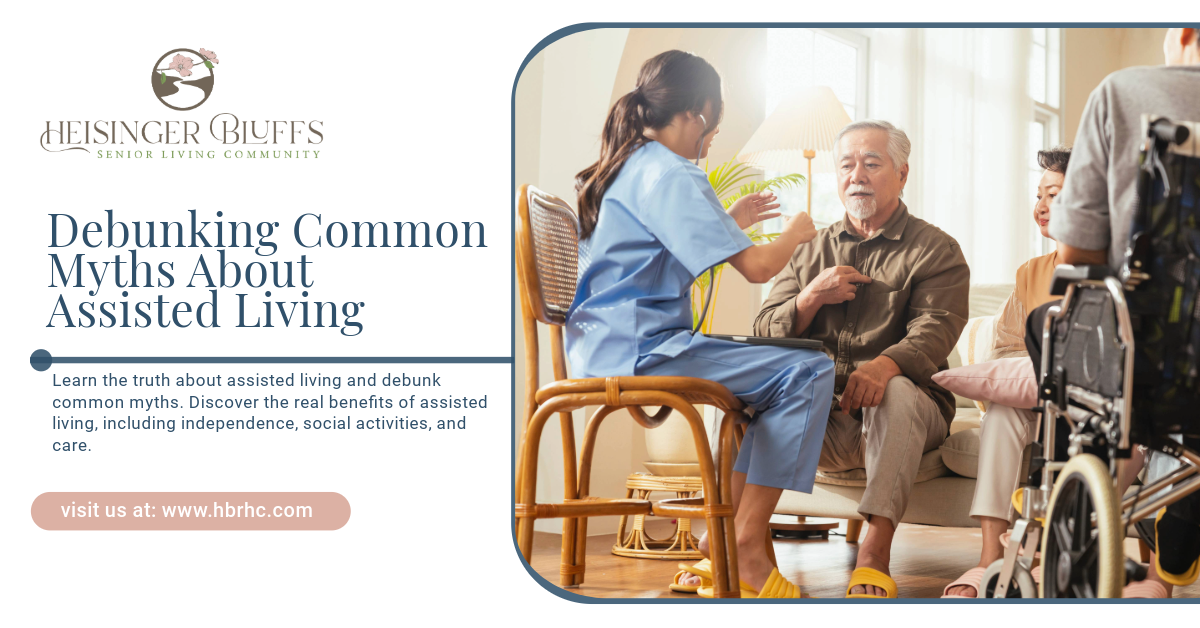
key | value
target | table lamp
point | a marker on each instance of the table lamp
(801, 127)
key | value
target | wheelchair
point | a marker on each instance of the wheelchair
(1120, 368)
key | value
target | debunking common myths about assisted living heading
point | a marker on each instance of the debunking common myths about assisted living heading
(222, 270)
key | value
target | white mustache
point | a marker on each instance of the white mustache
(860, 189)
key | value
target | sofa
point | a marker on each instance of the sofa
(946, 481)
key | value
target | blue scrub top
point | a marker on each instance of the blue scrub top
(660, 227)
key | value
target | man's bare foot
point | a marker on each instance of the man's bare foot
(876, 562)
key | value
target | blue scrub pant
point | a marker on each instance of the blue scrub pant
(790, 390)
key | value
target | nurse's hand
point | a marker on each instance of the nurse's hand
(800, 227)
(752, 209)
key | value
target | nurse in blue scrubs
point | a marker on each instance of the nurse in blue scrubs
(650, 225)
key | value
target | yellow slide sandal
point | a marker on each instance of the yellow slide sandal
(776, 587)
(864, 576)
(702, 570)
(1179, 580)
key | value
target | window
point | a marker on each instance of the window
(802, 57)
(1045, 88)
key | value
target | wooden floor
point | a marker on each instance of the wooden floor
(924, 560)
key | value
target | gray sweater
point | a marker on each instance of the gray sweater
(1096, 205)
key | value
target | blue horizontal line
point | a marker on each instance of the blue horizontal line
(285, 360)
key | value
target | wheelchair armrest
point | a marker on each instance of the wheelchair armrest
(1066, 274)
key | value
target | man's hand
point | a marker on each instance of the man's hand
(752, 209)
(834, 285)
(865, 387)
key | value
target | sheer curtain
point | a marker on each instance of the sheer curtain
(962, 97)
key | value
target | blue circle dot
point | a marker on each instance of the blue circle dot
(268, 293)
(304, 294)
(41, 360)
(125, 293)
(219, 214)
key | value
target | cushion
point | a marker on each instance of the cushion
(975, 346)
(960, 453)
(931, 467)
(965, 419)
(1007, 381)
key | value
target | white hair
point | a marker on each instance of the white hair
(898, 146)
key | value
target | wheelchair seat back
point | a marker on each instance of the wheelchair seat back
(1163, 261)
(1086, 349)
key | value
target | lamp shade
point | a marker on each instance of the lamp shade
(806, 120)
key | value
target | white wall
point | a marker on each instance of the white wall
(1090, 54)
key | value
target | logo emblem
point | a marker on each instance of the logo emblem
(183, 78)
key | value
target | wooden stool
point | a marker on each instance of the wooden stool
(681, 545)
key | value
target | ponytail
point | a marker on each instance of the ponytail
(668, 84)
(623, 134)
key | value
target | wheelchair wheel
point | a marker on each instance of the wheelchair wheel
(1079, 559)
(1022, 584)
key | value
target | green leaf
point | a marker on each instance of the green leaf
(162, 78)
(208, 64)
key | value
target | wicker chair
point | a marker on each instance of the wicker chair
(547, 261)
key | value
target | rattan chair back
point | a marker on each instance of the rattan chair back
(547, 254)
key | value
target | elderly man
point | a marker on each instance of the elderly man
(886, 292)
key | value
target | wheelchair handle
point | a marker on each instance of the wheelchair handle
(1166, 131)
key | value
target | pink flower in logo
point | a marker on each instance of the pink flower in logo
(182, 64)
(210, 55)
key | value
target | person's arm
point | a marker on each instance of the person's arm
(1080, 221)
(1009, 339)
(789, 310)
(758, 264)
(1071, 255)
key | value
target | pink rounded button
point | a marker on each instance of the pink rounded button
(190, 511)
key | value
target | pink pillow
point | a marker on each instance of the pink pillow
(1007, 381)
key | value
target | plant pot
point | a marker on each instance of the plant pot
(670, 448)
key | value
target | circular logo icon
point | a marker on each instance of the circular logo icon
(183, 78)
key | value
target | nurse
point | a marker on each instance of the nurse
(650, 225)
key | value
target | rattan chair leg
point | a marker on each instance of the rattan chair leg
(581, 548)
(567, 572)
(719, 545)
(525, 537)
(584, 484)
(725, 452)
(527, 475)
